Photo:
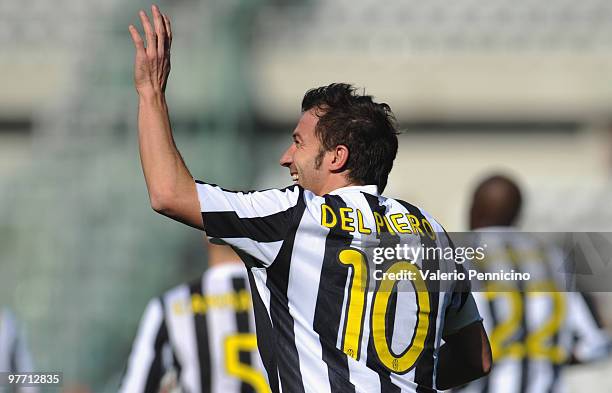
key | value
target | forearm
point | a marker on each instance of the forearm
(463, 358)
(452, 370)
(169, 183)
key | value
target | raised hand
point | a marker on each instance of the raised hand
(152, 62)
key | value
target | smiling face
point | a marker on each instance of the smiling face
(303, 157)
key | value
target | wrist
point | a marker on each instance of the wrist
(151, 97)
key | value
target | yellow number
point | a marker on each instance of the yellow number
(356, 301)
(500, 345)
(247, 342)
(403, 363)
(356, 305)
(537, 344)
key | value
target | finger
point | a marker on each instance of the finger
(149, 33)
(136, 38)
(160, 30)
(168, 29)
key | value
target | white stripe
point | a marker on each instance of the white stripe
(361, 375)
(249, 205)
(506, 377)
(347, 286)
(539, 376)
(266, 253)
(181, 331)
(302, 293)
(592, 341)
(221, 322)
(260, 277)
(143, 352)
(8, 337)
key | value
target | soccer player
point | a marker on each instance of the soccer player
(535, 327)
(14, 354)
(325, 322)
(199, 337)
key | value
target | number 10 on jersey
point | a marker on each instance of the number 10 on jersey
(355, 316)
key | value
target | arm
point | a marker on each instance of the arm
(465, 356)
(172, 191)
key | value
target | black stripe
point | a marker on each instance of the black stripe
(556, 367)
(177, 365)
(330, 295)
(227, 224)
(512, 257)
(13, 355)
(175, 362)
(386, 239)
(243, 326)
(246, 192)
(425, 364)
(494, 322)
(202, 338)
(265, 336)
(392, 306)
(277, 283)
(589, 300)
(556, 371)
(525, 360)
(156, 370)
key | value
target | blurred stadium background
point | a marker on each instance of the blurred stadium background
(477, 86)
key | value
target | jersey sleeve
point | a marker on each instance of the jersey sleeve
(461, 312)
(144, 369)
(255, 223)
(462, 309)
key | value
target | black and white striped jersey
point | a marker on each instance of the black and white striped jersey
(199, 338)
(14, 354)
(535, 327)
(326, 320)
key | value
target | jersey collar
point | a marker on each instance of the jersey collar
(369, 188)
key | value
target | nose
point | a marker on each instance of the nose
(287, 158)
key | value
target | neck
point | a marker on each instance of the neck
(334, 184)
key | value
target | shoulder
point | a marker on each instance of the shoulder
(418, 215)
(410, 209)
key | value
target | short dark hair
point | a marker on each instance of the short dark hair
(365, 127)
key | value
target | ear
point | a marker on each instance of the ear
(340, 156)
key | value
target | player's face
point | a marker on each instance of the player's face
(301, 157)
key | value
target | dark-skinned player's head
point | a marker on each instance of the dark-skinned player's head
(496, 201)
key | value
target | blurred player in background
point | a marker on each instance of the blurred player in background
(535, 327)
(14, 354)
(199, 337)
(324, 322)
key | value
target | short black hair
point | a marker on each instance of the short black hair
(368, 129)
(497, 201)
